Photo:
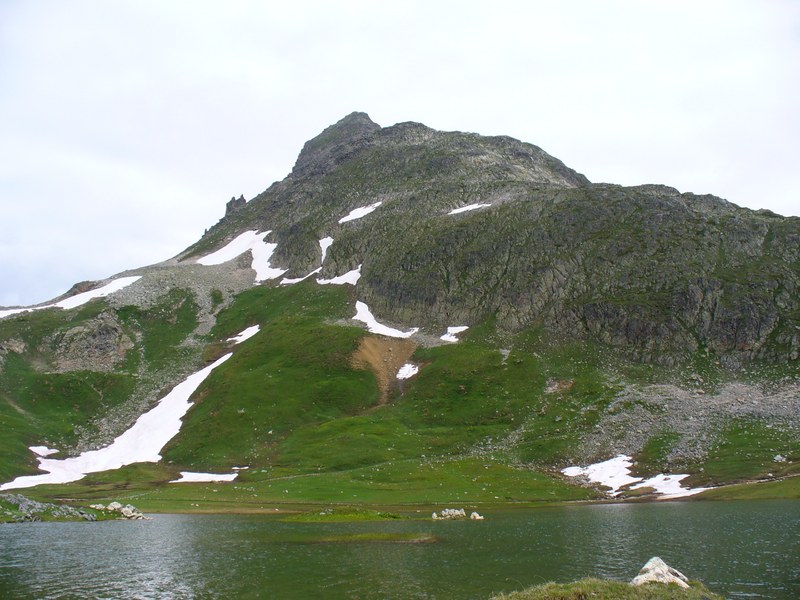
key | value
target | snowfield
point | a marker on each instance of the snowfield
(450, 336)
(351, 278)
(364, 315)
(615, 473)
(357, 213)
(79, 299)
(141, 443)
(260, 250)
(191, 477)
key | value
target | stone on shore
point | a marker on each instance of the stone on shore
(656, 570)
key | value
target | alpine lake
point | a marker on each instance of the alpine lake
(740, 549)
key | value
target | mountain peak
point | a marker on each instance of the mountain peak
(334, 143)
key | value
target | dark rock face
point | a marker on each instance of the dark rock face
(234, 204)
(645, 268)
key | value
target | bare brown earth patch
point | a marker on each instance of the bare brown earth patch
(384, 357)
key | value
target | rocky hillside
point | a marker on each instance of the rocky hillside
(594, 319)
(661, 274)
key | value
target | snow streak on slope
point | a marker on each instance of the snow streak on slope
(245, 335)
(456, 211)
(79, 299)
(364, 315)
(141, 443)
(450, 336)
(357, 213)
(324, 244)
(191, 477)
(260, 250)
(351, 277)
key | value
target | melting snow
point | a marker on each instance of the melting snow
(324, 244)
(407, 371)
(287, 281)
(141, 443)
(357, 213)
(42, 450)
(260, 250)
(615, 473)
(79, 299)
(450, 336)
(350, 277)
(669, 486)
(245, 335)
(190, 477)
(364, 315)
(456, 211)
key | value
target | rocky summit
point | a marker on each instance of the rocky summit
(415, 303)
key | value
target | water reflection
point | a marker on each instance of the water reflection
(740, 549)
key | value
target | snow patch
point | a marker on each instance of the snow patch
(357, 213)
(364, 315)
(245, 335)
(141, 443)
(42, 450)
(79, 299)
(324, 244)
(350, 277)
(287, 281)
(260, 250)
(463, 209)
(615, 473)
(407, 371)
(450, 336)
(191, 477)
(669, 486)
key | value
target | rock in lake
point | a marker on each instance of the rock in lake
(657, 571)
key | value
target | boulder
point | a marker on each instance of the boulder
(656, 570)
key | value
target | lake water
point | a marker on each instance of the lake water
(739, 549)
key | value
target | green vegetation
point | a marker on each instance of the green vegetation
(337, 514)
(163, 327)
(747, 450)
(19, 509)
(787, 489)
(598, 589)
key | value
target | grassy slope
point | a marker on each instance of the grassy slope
(290, 406)
(41, 407)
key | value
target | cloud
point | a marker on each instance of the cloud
(127, 125)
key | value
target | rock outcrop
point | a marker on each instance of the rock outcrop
(125, 512)
(656, 570)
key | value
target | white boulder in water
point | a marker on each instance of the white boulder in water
(656, 570)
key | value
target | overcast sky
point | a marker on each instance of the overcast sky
(125, 126)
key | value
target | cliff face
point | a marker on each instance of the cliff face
(646, 268)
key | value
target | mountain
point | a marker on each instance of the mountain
(420, 306)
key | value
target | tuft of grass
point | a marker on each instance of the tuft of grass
(600, 589)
